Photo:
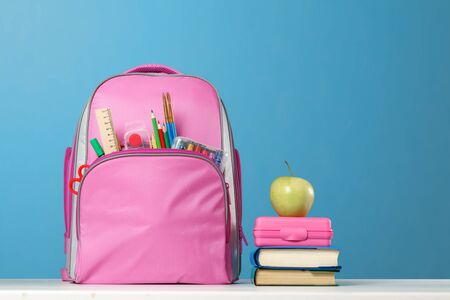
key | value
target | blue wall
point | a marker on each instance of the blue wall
(355, 94)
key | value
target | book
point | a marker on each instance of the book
(295, 258)
(292, 277)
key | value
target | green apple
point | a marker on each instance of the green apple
(291, 196)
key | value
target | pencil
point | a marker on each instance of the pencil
(155, 131)
(161, 136)
(154, 146)
(166, 136)
(171, 118)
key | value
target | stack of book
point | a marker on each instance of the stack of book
(294, 251)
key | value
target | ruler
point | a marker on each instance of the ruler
(106, 128)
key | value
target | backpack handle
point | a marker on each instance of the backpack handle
(152, 68)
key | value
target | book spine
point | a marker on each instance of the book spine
(254, 258)
(253, 276)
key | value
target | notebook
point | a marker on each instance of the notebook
(292, 277)
(297, 258)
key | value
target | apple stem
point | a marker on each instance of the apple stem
(289, 168)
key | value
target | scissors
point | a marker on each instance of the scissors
(77, 179)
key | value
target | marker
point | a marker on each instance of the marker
(106, 129)
(190, 147)
(97, 148)
(155, 131)
(179, 143)
(166, 136)
(161, 136)
(218, 158)
(198, 149)
(211, 155)
(205, 152)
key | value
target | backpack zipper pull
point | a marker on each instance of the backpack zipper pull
(241, 233)
(228, 224)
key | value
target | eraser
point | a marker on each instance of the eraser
(135, 140)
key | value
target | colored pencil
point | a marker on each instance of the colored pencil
(171, 118)
(166, 136)
(154, 146)
(155, 131)
(161, 136)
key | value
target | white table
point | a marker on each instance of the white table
(48, 289)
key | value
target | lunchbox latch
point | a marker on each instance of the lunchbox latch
(294, 234)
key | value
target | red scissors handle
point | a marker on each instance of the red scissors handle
(77, 179)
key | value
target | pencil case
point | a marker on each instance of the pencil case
(144, 215)
(218, 156)
(291, 231)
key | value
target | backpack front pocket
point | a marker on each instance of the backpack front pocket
(153, 217)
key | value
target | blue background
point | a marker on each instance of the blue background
(355, 94)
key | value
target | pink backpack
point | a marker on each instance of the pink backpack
(153, 215)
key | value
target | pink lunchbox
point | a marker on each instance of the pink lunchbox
(290, 231)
